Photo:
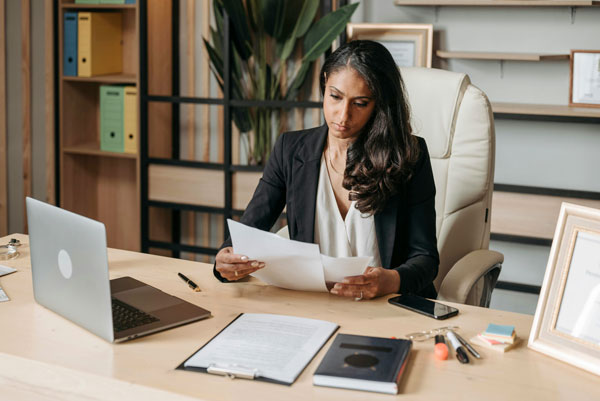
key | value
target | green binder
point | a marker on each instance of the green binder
(112, 118)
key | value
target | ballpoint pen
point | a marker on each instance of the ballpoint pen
(189, 282)
(468, 346)
(461, 354)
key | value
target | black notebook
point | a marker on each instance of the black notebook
(364, 363)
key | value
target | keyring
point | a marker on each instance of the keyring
(9, 250)
(427, 334)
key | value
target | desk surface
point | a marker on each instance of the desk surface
(45, 357)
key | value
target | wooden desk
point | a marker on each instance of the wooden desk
(45, 357)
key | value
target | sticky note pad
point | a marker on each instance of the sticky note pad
(500, 330)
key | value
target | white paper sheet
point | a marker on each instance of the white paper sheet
(4, 270)
(337, 268)
(275, 346)
(288, 264)
(3, 296)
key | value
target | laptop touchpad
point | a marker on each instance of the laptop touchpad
(147, 298)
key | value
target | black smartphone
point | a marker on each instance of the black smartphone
(424, 306)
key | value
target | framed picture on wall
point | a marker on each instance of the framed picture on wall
(411, 45)
(585, 78)
(566, 325)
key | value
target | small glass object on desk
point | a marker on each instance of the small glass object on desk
(10, 250)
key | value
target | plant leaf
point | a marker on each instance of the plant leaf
(297, 81)
(323, 33)
(273, 14)
(287, 18)
(218, 11)
(254, 12)
(241, 31)
(305, 16)
(215, 60)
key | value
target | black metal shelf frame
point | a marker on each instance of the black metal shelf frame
(227, 102)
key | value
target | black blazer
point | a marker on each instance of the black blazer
(405, 229)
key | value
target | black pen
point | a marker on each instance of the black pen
(189, 282)
(461, 354)
(468, 346)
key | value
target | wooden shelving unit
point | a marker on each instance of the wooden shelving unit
(101, 185)
(544, 110)
(501, 56)
(530, 215)
(91, 149)
(500, 3)
(69, 4)
(114, 78)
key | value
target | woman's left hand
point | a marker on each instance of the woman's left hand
(375, 282)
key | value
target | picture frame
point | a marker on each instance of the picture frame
(566, 325)
(411, 45)
(584, 83)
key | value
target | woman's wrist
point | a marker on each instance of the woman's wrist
(391, 282)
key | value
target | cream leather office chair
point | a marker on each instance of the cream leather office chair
(456, 120)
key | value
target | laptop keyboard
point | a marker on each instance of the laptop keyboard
(127, 317)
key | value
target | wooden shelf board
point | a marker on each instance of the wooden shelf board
(528, 215)
(500, 3)
(545, 110)
(501, 56)
(111, 78)
(98, 6)
(92, 149)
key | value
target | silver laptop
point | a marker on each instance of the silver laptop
(70, 276)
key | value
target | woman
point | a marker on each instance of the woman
(360, 185)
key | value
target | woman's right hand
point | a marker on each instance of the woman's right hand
(234, 267)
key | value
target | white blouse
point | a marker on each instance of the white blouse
(354, 236)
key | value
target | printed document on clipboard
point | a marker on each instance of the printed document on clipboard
(262, 346)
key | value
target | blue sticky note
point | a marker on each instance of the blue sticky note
(500, 330)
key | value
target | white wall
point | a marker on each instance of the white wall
(542, 154)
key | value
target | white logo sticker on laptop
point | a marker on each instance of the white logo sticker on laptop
(64, 264)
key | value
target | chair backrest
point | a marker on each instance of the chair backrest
(456, 120)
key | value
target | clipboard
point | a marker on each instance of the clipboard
(244, 372)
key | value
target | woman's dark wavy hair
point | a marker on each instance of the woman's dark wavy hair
(382, 157)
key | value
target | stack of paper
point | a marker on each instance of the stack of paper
(3, 271)
(497, 337)
(6, 270)
(292, 264)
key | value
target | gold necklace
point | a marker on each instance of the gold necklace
(331, 161)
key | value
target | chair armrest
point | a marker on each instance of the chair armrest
(466, 272)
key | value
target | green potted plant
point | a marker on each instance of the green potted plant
(264, 35)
